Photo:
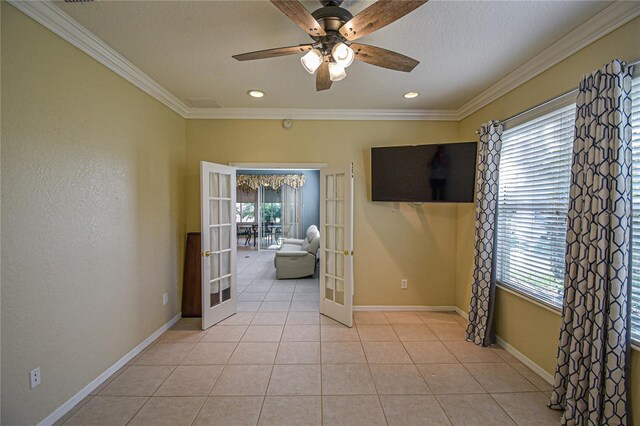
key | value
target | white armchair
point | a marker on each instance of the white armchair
(297, 258)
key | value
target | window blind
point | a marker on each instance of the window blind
(635, 198)
(533, 197)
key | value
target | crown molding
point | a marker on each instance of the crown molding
(322, 114)
(51, 17)
(606, 21)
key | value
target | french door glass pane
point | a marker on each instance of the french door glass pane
(328, 288)
(214, 184)
(214, 299)
(225, 292)
(225, 263)
(214, 232)
(225, 211)
(339, 186)
(225, 237)
(215, 265)
(330, 186)
(330, 238)
(339, 238)
(339, 291)
(225, 186)
(214, 211)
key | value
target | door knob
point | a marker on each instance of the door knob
(207, 253)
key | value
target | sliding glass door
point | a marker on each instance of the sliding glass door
(270, 213)
(279, 211)
(292, 212)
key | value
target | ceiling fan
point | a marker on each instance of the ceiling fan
(333, 30)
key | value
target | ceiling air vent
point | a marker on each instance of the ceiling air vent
(203, 103)
(79, 1)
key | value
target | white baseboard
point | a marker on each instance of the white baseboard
(67, 406)
(517, 354)
(462, 313)
(403, 308)
(526, 361)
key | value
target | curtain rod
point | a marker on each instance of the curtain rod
(547, 102)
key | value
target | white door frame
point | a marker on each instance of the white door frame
(275, 166)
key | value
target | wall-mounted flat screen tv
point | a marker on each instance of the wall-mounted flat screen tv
(424, 173)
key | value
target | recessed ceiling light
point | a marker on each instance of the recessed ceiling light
(411, 95)
(255, 93)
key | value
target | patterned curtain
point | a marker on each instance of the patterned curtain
(479, 329)
(590, 380)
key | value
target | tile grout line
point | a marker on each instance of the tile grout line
(485, 389)
(503, 410)
(270, 374)
(421, 375)
(206, 398)
(366, 358)
(202, 406)
(425, 380)
(372, 379)
(138, 410)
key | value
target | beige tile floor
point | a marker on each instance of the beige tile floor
(279, 362)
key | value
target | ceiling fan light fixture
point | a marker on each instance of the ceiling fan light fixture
(255, 93)
(334, 31)
(342, 54)
(311, 60)
(411, 95)
(336, 71)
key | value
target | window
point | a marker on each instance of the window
(635, 197)
(245, 212)
(533, 197)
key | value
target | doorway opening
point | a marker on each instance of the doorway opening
(274, 204)
(297, 258)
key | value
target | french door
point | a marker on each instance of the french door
(218, 230)
(336, 243)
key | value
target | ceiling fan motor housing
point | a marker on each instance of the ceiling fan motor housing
(331, 18)
(331, 2)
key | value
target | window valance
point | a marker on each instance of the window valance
(250, 183)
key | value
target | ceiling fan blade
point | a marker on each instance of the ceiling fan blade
(383, 58)
(300, 15)
(378, 15)
(272, 53)
(323, 82)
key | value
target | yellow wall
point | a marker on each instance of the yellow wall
(529, 328)
(93, 187)
(94, 173)
(392, 240)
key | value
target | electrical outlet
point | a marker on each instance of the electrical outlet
(34, 377)
(165, 299)
(404, 284)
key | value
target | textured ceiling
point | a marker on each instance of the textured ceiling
(463, 46)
